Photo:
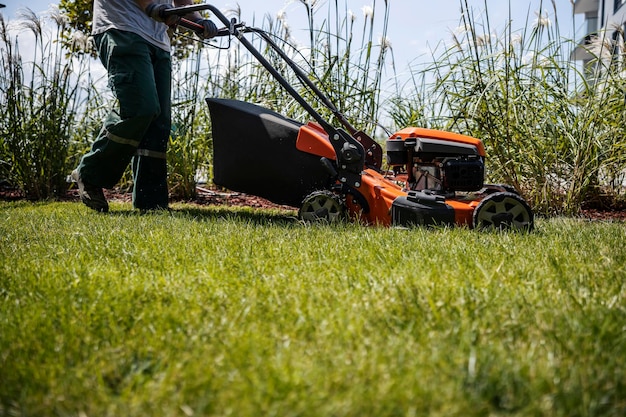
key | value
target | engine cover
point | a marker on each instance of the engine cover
(461, 174)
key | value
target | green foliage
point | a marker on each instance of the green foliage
(350, 74)
(79, 13)
(40, 106)
(347, 62)
(197, 312)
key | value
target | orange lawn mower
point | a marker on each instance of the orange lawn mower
(330, 173)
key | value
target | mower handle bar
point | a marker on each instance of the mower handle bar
(230, 25)
(225, 31)
(183, 10)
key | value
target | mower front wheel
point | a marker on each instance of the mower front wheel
(503, 211)
(322, 207)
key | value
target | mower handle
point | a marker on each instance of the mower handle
(198, 28)
(183, 10)
(231, 26)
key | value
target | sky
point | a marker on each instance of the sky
(416, 26)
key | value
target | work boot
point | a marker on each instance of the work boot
(90, 195)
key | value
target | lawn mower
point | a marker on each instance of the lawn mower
(431, 177)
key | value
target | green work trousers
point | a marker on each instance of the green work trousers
(138, 127)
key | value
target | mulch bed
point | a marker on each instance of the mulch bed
(205, 196)
(604, 208)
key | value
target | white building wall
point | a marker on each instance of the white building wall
(613, 18)
(602, 14)
(603, 19)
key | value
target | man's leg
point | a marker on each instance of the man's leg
(149, 164)
(127, 58)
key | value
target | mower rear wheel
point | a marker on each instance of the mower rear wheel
(503, 211)
(322, 206)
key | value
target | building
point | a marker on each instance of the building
(604, 20)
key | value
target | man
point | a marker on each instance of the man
(133, 45)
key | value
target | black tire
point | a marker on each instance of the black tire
(322, 207)
(503, 211)
(508, 188)
(499, 188)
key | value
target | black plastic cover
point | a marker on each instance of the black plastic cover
(463, 174)
(426, 148)
(441, 147)
(396, 152)
(420, 209)
(255, 153)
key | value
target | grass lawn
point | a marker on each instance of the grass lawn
(209, 311)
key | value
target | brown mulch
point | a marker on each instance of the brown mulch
(204, 196)
(599, 209)
(209, 196)
(606, 215)
(604, 208)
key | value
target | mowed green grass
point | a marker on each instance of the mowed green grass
(211, 311)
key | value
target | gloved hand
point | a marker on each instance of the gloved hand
(210, 30)
(155, 11)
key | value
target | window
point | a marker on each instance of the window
(592, 24)
(619, 4)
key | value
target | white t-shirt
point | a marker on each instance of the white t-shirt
(126, 15)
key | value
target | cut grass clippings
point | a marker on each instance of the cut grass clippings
(209, 311)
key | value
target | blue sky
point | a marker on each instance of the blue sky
(415, 25)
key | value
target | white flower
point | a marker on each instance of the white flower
(600, 47)
(281, 15)
(542, 21)
(516, 39)
(55, 14)
(287, 29)
(462, 30)
(351, 16)
(368, 12)
(385, 43)
(483, 40)
(80, 41)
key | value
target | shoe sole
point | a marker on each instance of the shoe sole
(101, 206)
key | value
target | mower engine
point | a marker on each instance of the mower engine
(436, 161)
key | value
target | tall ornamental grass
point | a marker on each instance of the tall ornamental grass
(42, 95)
(343, 53)
(348, 57)
(550, 130)
(190, 140)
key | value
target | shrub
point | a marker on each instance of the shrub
(40, 102)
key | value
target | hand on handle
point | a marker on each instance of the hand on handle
(209, 29)
(157, 12)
